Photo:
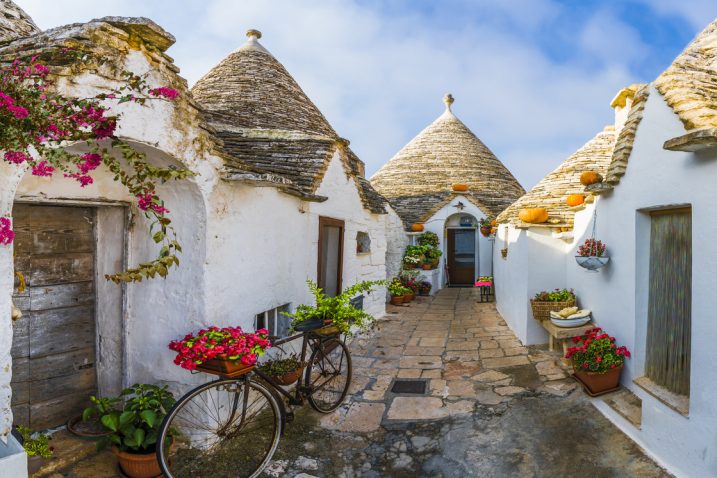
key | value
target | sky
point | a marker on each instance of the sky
(533, 79)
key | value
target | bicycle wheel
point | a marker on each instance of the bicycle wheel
(329, 375)
(223, 429)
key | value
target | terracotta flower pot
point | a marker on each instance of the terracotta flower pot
(409, 297)
(136, 465)
(396, 299)
(289, 377)
(599, 382)
(427, 267)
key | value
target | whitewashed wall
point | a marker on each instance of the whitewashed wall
(535, 262)
(618, 293)
(396, 242)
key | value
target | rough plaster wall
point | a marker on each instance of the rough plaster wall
(617, 294)
(511, 279)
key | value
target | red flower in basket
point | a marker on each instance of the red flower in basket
(208, 344)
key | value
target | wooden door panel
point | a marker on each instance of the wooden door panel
(54, 350)
(62, 365)
(62, 295)
(60, 269)
(61, 330)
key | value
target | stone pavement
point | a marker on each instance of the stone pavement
(492, 408)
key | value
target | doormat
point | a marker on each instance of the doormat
(416, 387)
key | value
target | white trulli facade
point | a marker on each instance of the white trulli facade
(662, 169)
(249, 223)
(419, 183)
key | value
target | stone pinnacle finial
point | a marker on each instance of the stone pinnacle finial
(253, 34)
(448, 100)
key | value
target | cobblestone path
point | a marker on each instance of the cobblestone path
(492, 408)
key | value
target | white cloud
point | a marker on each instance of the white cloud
(378, 70)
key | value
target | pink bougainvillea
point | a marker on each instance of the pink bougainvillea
(6, 233)
(208, 344)
(35, 116)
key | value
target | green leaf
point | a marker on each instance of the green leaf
(111, 421)
(126, 418)
(159, 236)
(149, 417)
(139, 436)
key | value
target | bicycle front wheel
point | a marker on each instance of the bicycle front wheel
(223, 429)
(329, 375)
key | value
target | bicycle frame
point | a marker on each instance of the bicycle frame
(302, 389)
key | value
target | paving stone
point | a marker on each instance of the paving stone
(490, 353)
(488, 397)
(509, 390)
(362, 417)
(461, 388)
(560, 388)
(462, 345)
(431, 373)
(489, 344)
(432, 342)
(505, 361)
(422, 362)
(409, 373)
(515, 351)
(305, 463)
(461, 407)
(417, 408)
(490, 376)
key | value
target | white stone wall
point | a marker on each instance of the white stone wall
(618, 293)
(396, 242)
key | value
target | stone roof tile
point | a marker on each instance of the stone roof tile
(419, 178)
(14, 22)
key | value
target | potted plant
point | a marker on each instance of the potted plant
(227, 350)
(544, 302)
(414, 256)
(88, 424)
(486, 227)
(396, 290)
(133, 426)
(337, 312)
(591, 255)
(428, 238)
(433, 254)
(37, 446)
(284, 371)
(597, 361)
(424, 288)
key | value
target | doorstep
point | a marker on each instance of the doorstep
(68, 450)
(627, 405)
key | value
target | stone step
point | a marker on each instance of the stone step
(627, 404)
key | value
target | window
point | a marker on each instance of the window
(363, 243)
(669, 321)
(273, 320)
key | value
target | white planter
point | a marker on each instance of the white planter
(13, 460)
(592, 263)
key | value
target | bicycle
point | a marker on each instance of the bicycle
(231, 427)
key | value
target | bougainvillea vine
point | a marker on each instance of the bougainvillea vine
(37, 122)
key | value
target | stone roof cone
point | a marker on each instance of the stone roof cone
(14, 22)
(250, 89)
(417, 181)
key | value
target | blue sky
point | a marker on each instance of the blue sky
(532, 78)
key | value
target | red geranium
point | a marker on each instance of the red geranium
(236, 344)
(596, 351)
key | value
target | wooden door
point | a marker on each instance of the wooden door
(461, 256)
(53, 349)
(331, 252)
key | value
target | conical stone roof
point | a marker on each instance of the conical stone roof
(250, 89)
(14, 22)
(418, 180)
(269, 126)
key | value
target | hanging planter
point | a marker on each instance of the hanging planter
(592, 255)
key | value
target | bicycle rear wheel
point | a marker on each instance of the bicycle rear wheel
(223, 429)
(329, 375)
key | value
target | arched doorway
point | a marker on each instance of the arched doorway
(461, 250)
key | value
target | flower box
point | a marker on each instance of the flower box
(223, 366)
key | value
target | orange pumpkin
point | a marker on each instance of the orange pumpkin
(590, 177)
(575, 200)
(460, 187)
(416, 227)
(493, 223)
(534, 215)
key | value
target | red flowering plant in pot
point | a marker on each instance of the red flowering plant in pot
(597, 361)
(221, 351)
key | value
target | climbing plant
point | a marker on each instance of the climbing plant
(37, 123)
